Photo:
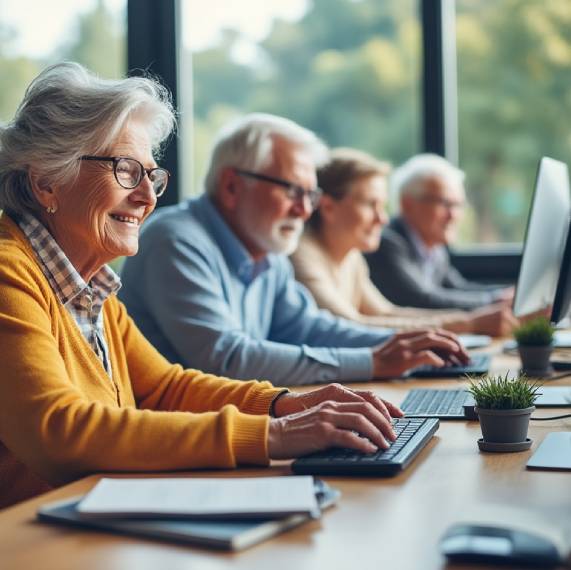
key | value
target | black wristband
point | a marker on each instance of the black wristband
(272, 411)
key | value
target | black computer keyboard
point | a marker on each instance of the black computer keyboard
(412, 435)
(479, 364)
(432, 403)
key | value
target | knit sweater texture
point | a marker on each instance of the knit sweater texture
(62, 417)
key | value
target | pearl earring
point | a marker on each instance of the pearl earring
(51, 209)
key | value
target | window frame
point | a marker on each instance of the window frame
(153, 33)
(440, 132)
(152, 46)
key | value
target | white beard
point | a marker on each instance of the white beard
(278, 241)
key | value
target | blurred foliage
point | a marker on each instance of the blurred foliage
(97, 41)
(347, 70)
(350, 71)
(514, 104)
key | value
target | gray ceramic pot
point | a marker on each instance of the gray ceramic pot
(504, 426)
(535, 360)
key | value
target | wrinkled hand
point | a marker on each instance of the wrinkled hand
(506, 297)
(494, 320)
(293, 402)
(410, 349)
(331, 416)
(546, 312)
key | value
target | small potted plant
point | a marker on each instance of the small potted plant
(504, 406)
(535, 344)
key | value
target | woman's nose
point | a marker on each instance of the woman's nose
(144, 192)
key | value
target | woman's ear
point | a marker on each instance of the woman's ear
(327, 207)
(42, 191)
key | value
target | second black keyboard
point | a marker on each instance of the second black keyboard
(435, 403)
(412, 435)
(479, 364)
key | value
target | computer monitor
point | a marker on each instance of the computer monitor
(544, 269)
(562, 300)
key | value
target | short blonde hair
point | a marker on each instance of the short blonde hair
(68, 112)
(346, 166)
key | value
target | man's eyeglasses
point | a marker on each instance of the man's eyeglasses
(293, 191)
(445, 203)
(129, 173)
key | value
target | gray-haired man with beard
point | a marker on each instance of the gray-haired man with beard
(212, 285)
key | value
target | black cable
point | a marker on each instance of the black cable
(557, 376)
(551, 418)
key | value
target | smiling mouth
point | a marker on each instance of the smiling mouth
(131, 220)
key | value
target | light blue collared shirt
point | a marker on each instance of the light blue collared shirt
(200, 298)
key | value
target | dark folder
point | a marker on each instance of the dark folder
(219, 534)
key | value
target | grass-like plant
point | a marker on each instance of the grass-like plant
(497, 392)
(536, 332)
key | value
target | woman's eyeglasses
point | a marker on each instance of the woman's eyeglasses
(129, 173)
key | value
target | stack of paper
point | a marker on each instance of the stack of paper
(230, 514)
(201, 498)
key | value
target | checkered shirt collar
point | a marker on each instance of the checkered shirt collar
(65, 280)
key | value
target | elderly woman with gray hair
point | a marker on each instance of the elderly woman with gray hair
(81, 389)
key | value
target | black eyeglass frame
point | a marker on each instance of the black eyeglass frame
(293, 191)
(148, 171)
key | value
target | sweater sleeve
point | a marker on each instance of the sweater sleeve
(64, 422)
(374, 309)
(160, 385)
(311, 270)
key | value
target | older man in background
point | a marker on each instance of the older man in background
(412, 266)
(212, 285)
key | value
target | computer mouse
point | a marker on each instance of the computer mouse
(497, 534)
(481, 544)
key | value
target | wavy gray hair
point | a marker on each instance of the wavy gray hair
(68, 112)
(249, 141)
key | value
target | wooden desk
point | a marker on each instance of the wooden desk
(378, 524)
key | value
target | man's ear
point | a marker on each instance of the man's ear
(42, 191)
(406, 203)
(228, 188)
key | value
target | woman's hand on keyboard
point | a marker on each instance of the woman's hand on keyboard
(410, 349)
(292, 402)
(332, 416)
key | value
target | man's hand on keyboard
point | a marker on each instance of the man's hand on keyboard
(410, 349)
(332, 416)
(495, 320)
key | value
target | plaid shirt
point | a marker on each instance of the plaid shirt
(84, 301)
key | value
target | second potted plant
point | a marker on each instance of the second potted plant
(504, 407)
(535, 344)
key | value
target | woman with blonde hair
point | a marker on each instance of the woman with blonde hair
(348, 222)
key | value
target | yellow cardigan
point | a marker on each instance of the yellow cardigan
(61, 415)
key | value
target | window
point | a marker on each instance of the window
(347, 69)
(31, 37)
(514, 101)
